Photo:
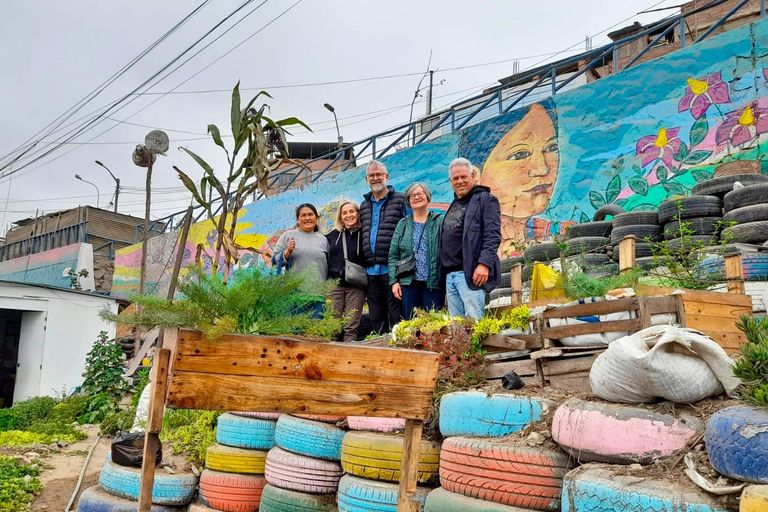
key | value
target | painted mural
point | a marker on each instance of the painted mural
(632, 139)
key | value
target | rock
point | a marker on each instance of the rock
(195, 471)
(32, 455)
(699, 447)
(27, 479)
(546, 433)
(43, 507)
(169, 470)
(535, 439)
(635, 467)
(54, 447)
(35, 467)
(62, 444)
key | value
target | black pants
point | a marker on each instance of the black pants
(385, 310)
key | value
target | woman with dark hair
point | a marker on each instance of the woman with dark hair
(345, 243)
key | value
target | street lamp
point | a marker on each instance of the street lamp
(333, 111)
(77, 176)
(117, 182)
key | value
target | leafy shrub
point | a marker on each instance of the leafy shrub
(752, 367)
(143, 381)
(580, 286)
(516, 318)
(98, 407)
(22, 438)
(8, 420)
(32, 410)
(190, 432)
(15, 493)
(103, 369)
(121, 421)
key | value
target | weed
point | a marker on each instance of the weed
(752, 367)
(15, 493)
(190, 432)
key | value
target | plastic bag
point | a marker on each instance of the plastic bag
(545, 283)
(128, 450)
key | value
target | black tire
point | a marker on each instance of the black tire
(601, 228)
(635, 218)
(692, 242)
(604, 211)
(751, 213)
(602, 271)
(542, 252)
(643, 232)
(646, 263)
(500, 292)
(642, 250)
(508, 263)
(700, 226)
(747, 196)
(527, 272)
(749, 233)
(590, 260)
(506, 280)
(721, 186)
(690, 207)
(586, 244)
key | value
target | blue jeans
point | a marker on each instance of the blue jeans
(461, 300)
(417, 295)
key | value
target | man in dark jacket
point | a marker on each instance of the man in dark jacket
(470, 242)
(380, 212)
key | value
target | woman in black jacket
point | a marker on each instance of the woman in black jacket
(346, 299)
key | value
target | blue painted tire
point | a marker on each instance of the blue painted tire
(310, 438)
(275, 499)
(361, 495)
(755, 266)
(123, 482)
(737, 443)
(245, 432)
(473, 413)
(441, 500)
(599, 488)
(96, 499)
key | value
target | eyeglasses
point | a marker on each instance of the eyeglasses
(418, 194)
(375, 175)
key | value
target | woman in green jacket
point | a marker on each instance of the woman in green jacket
(415, 245)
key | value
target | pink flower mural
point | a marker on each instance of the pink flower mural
(701, 93)
(663, 146)
(742, 126)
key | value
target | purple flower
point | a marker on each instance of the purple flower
(703, 92)
(663, 146)
(742, 126)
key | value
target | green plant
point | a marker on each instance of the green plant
(143, 381)
(99, 407)
(516, 318)
(32, 410)
(103, 369)
(190, 432)
(22, 438)
(8, 420)
(752, 367)
(15, 493)
(120, 421)
(580, 286)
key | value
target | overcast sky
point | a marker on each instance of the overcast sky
(58, 52)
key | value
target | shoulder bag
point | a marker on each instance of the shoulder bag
(407, 266)
(354, 274)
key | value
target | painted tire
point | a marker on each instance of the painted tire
(597, 488)
(230, 492)
(755, 266)
(96, 499)
(754, 499)
(379, 457)
(274, 499)
(325, 418)
(518, 476)
(360, 495)
(441, 500)
(259, 415)
(235, 460)
(473, 413)
(310, 438)
(245, 432)
(123, 482)
(375, 424)
(737, 443)
(300, 473)
(619, 434)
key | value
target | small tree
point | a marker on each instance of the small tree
(103, 368)
(752, 367)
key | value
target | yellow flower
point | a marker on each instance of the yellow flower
(698, 87)
(747, 118)
(661, 140)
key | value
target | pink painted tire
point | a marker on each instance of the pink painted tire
(375, 424)
(259, 415)
(325, 418)
(301, 473)
(230, 492)
(620, 434)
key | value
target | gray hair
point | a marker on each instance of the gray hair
(376, 164)
(460, 161)
(412, 188)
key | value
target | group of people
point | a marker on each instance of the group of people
(403, 256)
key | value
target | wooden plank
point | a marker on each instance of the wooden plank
(659, 305)
(627, 254)
(642, 313)
(406, 493)
(708, 323)
(148, 343)
(525, 367)
(734, 273)
(217, 392)
(547, 352)
(153, 427)
(567, 331)
(568, 366)
(502, 356)
(732, 340)
(701, 295)
(497, 340)
(516, 283)
(603, 307)
(303, 360)
(716, 310)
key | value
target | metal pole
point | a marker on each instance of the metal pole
(117, 192)
(98, 195)
(682, 32)
(142, 279)
(615, 58)
(554, 81)
(429, 98)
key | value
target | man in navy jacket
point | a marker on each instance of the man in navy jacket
(470, 242)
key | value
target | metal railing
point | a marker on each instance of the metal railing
(74, 234)
(461, 114)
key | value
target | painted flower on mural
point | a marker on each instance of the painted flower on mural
(663, 146)
(701, 93)
(742, 126)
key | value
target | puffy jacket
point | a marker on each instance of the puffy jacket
(392, 211)
(336, 252)
(402, 247)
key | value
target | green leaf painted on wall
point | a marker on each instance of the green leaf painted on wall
(583, 217)
(620, 202)
(699, 131)
(613, 189)
(697, 157)
(661, 173)
(637, 170)
(701, 175)
(618, 163)
(683, 153)
(673, 188)
(596, 199)
(638, 186)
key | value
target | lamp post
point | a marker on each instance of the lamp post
(117, 182)
(338, 133)
(77, 176)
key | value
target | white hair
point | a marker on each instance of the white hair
(460, 161)
(375, 164)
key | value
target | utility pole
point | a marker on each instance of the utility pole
(117, 182)
(429, 98)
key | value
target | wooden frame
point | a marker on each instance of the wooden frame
(270, 374)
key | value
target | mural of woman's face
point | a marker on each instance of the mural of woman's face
(522, 169)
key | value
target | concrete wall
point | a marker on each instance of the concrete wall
(50, 267)
(632, 139)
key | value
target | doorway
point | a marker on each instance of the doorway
(10, 333)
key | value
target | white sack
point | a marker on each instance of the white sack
(142, 410)
(677, 364)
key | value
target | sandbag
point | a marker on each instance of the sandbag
(142, 410)
(678, 364)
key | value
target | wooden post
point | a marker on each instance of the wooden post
(734, 273)
(407, 501)
(627, 254)
(516, 278)
(154, 425)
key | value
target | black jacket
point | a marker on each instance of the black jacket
(336, 252)
(392, 211)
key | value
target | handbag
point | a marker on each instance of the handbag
(407, 266)
(354, 274)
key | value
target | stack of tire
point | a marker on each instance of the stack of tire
(481, 469)
(645, 226)
(371, 455)
(545, 252)
(233, 480)
(587, 245)
(694, 221)
(505, 286)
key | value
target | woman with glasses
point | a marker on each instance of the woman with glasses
(413, 254)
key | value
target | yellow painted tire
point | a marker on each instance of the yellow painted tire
(754, 499)
(378, 456)
(235, 460)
